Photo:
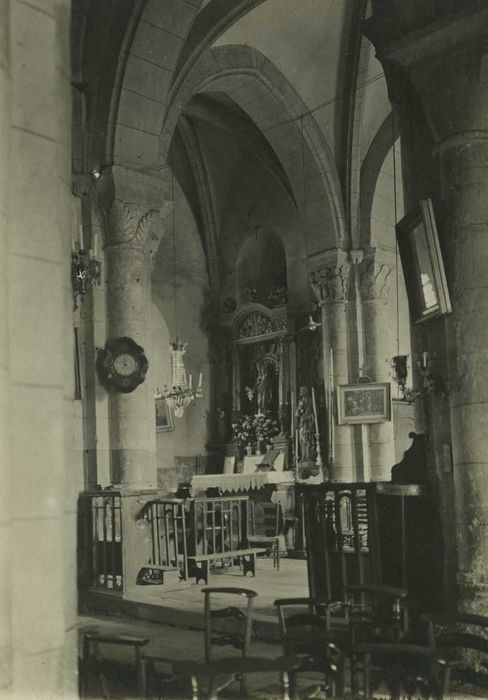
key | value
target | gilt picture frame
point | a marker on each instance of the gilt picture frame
(423, 267)
(363, 403)
(164, 416)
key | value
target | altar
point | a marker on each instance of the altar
(262, 483)
(233, 483)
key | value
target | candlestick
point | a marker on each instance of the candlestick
(314, 406)
(293, 409)
(296, 454)
(318, 459)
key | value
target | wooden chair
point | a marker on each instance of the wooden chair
(94, 665)
(266, 524)
(239, 637)
(284, 666)
(306, 628)
(462, 639)
(161, 680)
(395, 670)
(377, 613)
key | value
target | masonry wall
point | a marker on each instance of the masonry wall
(38, 513)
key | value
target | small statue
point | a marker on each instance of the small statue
(251, 291)
(221, 424)
(229, 305)
(305, 424)
(264, 388)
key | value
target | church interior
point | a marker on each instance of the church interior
(259, 343)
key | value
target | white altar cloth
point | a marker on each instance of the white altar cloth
(239, 482)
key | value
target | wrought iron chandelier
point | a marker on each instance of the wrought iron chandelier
(181, 392)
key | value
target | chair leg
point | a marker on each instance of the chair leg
(104, 686)
(277, 555)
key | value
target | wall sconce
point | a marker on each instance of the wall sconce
(85, 271)
(432, 383)
(399, 364)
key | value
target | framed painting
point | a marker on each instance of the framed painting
(363, 403)
(164, 417)
(423, 268)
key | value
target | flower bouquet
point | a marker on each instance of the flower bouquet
(265, 427)
(243, 431)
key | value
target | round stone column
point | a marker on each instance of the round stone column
(464, 167)
(379, 319)
(445, 65)
(128, 300)
(331, 286)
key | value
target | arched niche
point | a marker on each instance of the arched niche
(261, 273)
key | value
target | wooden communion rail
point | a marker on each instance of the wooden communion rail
(192, 535)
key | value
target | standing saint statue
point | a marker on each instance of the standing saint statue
(305, 425)
(264, 387)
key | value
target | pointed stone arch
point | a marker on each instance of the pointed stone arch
(257, 86)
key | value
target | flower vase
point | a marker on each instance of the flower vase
(248, 449)
(269, 446)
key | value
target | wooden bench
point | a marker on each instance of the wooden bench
(198, 564)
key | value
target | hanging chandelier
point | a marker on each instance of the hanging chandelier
(181, 392)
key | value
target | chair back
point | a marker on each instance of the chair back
(463, 640)
(378, 611)
(266, 519)
(305, 629)
(217, 608)
(395, 670)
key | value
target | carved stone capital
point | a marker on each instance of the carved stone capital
(128, 223)
(330, 281)
(424, 53)
(375, 278)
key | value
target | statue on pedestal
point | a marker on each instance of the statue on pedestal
(264, 387)
(305, 425)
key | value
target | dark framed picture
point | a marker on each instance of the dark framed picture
(164, 417)
(363, 403)
(422, 264)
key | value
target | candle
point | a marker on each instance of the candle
(314, 406)
(293, 409)
(200, 379)
(191, 380)
(95, 244)
(330, 407)
(296, 450)
(82, 243)
(425, 356)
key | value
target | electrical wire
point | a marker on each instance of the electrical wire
(174, 256)
(395, 217)
(205, 152)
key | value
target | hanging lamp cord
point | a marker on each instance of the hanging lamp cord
(174, 256)
(395, 215)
